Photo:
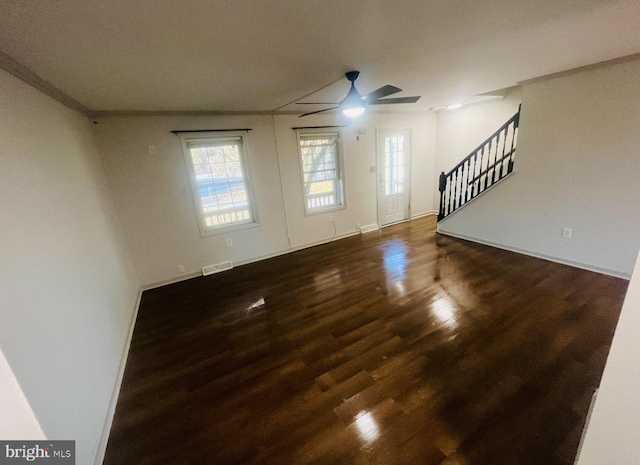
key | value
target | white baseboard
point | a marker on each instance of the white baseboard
(101, 447)
(427, 213)
(562, 261)
(166, 282)
(355, 232)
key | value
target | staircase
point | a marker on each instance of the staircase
(490, 162)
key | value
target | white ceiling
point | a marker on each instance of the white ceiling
(258, 55)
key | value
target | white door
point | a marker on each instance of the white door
(393, 170)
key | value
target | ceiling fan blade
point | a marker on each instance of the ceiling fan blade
(387, 101)
(381, 92)
(319, 111)
(317, 103)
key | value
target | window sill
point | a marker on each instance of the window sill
(227, 229)
(324, 210)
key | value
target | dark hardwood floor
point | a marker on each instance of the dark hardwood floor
(397, 347)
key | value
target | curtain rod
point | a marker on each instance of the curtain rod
(318, 127)
(210, 130)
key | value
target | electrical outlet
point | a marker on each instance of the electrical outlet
(331, 219)
(358, 226)
(229, 242)
(567, 232)
(181, 269)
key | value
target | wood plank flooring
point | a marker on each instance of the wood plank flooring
(397, 347)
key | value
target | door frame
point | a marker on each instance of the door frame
(409, 171)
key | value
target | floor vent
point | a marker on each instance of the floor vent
(369, 228)
(217, 268)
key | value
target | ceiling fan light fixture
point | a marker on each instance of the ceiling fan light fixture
(354, 104)
(352, 112)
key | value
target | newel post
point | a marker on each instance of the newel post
(442, 186)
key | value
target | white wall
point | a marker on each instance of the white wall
(154, 201)
(67, 290)
(613, 433)
(577, 166)
(461, 131)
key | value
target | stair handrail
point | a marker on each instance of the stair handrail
(471, 176)
(514, 119)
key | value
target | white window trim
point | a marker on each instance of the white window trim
(339, 167)
(205, 230)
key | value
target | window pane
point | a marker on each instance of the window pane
(203, 174)
(234, 172)
(394, 165)
(232, 153)
(222, 186)
(319, 157)
(199, 155)
(239, 195)
(215, 154)
(219, 171)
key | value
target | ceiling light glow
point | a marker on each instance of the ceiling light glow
(353, 112)
(454, 106)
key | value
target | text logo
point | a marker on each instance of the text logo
(38, 452)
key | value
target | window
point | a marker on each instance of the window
(321, 163)
(394, 165)
(219, 181)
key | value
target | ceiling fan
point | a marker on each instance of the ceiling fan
(354, 103)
